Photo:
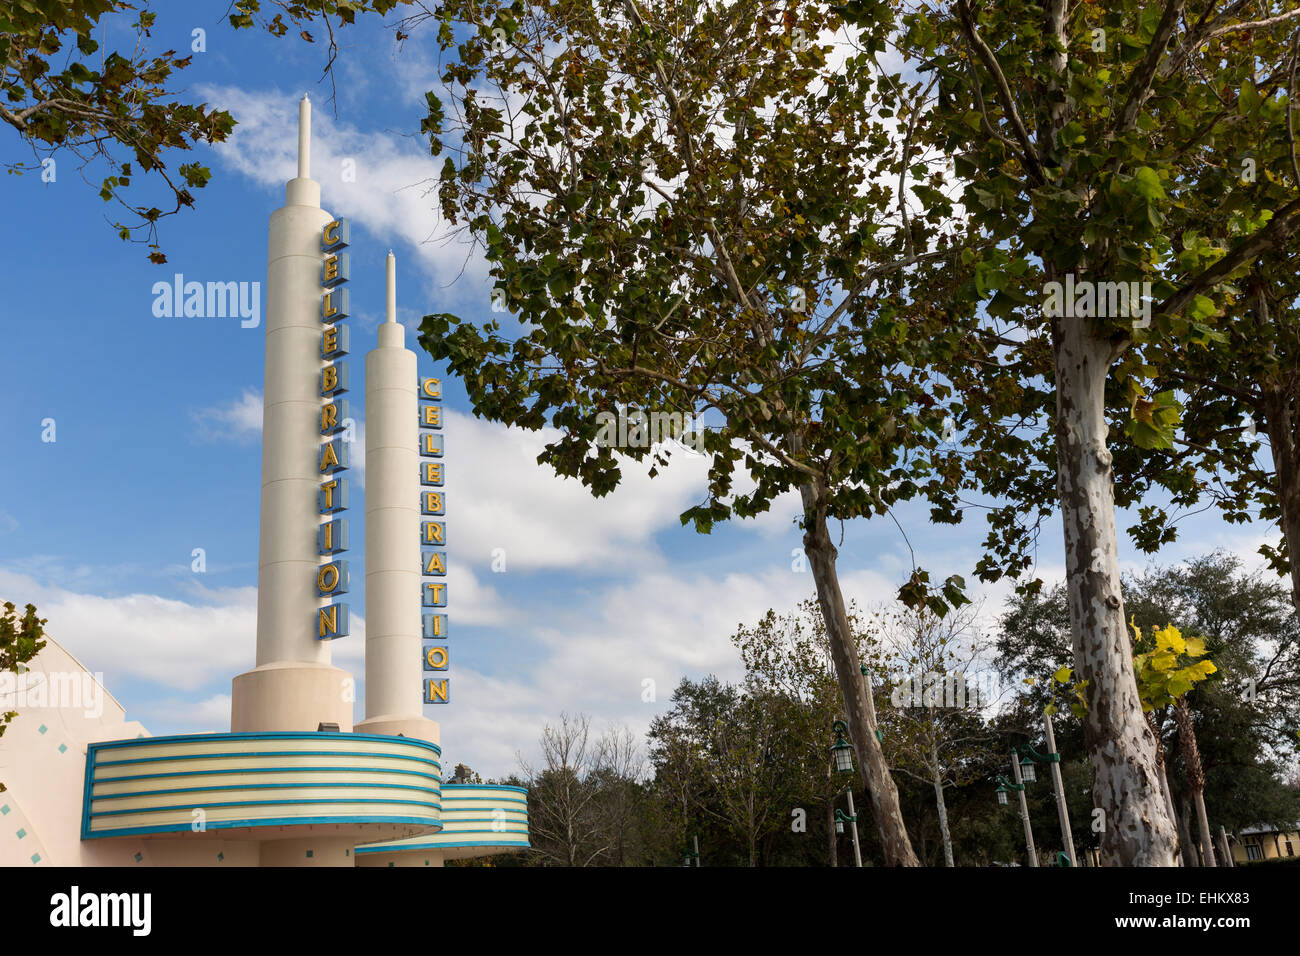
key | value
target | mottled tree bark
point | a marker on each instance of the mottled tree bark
(859, 708)
(1121, 747)
(1195, 774)
(936, 776)
(1190, 855)
(1162, 764)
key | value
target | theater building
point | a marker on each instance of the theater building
(294, 782)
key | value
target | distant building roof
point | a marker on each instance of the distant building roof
(1262, 828)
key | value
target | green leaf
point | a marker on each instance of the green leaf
(1146, 183)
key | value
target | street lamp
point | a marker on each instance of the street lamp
(1004, 787)
(842, 818)
(1027, 770)
(842, 756)
(842, 750)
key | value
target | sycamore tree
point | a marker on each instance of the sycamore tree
(689, 210)
(1238, 447)
(1083, 136)
(1167, 666)
(116, 115)
(936, 732)
(791, 655)
(1246, 715)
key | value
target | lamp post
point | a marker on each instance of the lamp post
(842, 754)
(693, 856)
(1004, 787)
(1053, 760)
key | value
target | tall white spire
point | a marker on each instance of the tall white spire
(394, 701)
(391, 286)
(294, 685)
(304, 138)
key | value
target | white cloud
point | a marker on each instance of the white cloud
(237, 420)
(389, 195)
(177, 644)
(501, 497)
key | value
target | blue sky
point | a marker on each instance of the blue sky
(157, 448)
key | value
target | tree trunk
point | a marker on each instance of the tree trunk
(1190, 857)
(1286, 466)
(859, 708)
(1195, 774)
(1161, 763)
(937, 778)
(1126, 787)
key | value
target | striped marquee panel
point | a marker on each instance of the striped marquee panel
(155, 784)
(472, 815)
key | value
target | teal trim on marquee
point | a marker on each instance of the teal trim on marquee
(264, 803)
(419, 751)
(264, 753)
(267, 735)
(204, 773)
(255, 824)
(513, 832)
(452, 796)
(524, 844)
(126, 795)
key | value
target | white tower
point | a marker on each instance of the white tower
(394, 701)
(293, 686)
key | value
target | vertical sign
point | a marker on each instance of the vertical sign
(433, 543)
(332, 497)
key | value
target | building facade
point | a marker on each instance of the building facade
(293, 783)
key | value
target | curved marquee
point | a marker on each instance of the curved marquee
(377, 786)
(477, 820)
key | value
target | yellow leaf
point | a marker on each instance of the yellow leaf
(1170, 638)
(1163, 661)
(1196, 647)
(1062, 676)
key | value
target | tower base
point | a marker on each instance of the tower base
(420, 728)
(291, 696)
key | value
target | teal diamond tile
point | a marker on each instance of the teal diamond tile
(4, 810)
(309, 854)
(21, 834)
(63, 748)
(36, 858)
(41, 729)
(139, 857)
